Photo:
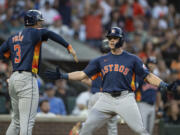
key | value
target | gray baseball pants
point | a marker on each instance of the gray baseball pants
(23, 90)
(148, 115)
(108, 106)
(112, 123)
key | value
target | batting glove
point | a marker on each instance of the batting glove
(163, 86)
(55, 75)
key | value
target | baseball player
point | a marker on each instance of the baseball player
(146, 98)
(24, 49)
(95, 84)
(119, 70)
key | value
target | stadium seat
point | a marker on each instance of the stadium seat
(71, 101)
(3, 109)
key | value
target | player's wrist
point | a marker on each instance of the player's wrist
(64, 76)
(69, 47)
(163, 86)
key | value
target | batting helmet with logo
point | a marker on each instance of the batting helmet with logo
(32, 17)
(116, 32)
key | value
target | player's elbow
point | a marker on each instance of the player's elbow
(78, 75)
(82, 75)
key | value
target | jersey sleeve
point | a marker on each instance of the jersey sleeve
(4, 49)
(140, 69)
(139, 82)
(46, 34)
(92, 68)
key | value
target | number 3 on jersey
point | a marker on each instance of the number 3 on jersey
(17, 50)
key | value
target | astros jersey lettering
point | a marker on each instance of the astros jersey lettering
(24, 48)
(118, 71)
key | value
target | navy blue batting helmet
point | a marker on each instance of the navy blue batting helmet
(116, 32)
(32, 17)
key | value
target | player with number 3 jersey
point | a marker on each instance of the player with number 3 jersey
(24, 50)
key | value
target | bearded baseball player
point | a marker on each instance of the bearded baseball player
(119, 69)
(24, 49)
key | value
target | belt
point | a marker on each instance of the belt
(150, 103)
(114, 93)
(21, 71)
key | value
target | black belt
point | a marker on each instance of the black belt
(20, 71)
(150, 103)
(114, 93)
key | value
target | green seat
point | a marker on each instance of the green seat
(168, 129)
(3, 109)
(71, 102)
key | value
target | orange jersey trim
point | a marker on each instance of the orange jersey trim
(133, 82)
(35, 62)
(94, 77)
(7, 54)
(69, 47)
(138, 96)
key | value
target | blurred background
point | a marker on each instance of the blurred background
(152, 29)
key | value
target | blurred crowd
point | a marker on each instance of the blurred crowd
(152, 30)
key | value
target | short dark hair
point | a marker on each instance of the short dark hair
(42, 101)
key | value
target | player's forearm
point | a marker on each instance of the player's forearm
(153, 79)
(78, 75)
(87, 81)
(57, 38)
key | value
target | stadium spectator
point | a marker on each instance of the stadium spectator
(59, 28)
(173, 109)
(15, 26)
(63, 92)
(171, 101)
(175, 65)
(56, 104)
(49, 13)
(64, 7)
(147, 51)
(164, 72)
(42, 2)
(115, 19)
(131, 9)
(82, 103)
(107, 8)
(169, 47)
(44, 109)
(93, 24)
(160, 9)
